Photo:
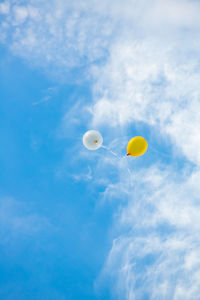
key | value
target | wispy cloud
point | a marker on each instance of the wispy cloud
(48, 94)
(58, 34)
(156, 255)
(16, 220)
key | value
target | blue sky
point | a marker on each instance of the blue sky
(53, 239)
(76, 224)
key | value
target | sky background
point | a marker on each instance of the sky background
(79, 224)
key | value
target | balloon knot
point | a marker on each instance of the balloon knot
(127, 154)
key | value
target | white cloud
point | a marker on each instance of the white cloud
(4, 8)
(179, 13)
(155, 80)
(58, 33)
(157, 254)
(149, 82)
(20, 14)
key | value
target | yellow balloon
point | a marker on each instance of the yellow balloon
(137, 146)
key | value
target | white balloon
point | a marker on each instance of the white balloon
(92, 140)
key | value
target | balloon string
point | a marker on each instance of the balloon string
(113, 153)
(159, 152)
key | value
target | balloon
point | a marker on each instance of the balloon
(92, 140)
(137, 146)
